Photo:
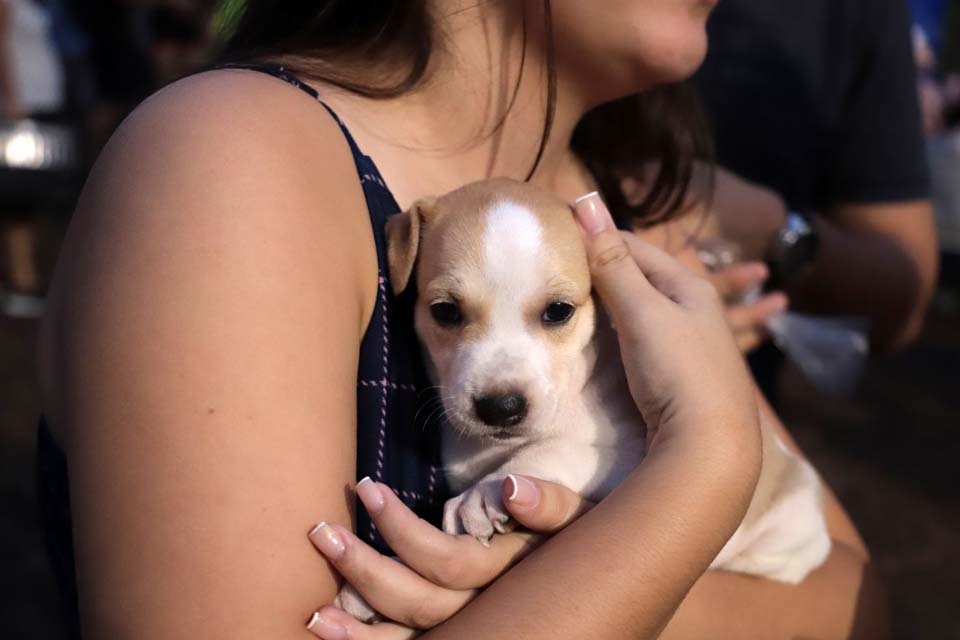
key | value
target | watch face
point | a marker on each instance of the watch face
(794, 250)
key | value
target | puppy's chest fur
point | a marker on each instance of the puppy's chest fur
(598, 439)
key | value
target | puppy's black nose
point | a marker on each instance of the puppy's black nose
(501, 410)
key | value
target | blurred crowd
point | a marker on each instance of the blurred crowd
(936, 36)
(70, 70)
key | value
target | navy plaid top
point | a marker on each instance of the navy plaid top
(397, 441)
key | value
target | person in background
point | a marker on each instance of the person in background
(137, 47)
(31, 88)
(181, 38)
(935, 39)
(822, 168)
(928, 18)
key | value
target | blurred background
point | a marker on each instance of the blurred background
(70, 70)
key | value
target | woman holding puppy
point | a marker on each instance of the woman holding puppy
(223, 358)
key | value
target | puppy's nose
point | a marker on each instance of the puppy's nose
(501, 410)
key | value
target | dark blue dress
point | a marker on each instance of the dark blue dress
(397, 443)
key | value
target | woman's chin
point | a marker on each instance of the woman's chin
(677, 62)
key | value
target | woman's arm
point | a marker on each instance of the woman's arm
(843, 598)
(207, 317)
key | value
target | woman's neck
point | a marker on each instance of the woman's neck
(477, 113)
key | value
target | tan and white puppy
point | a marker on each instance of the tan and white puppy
(530, 375)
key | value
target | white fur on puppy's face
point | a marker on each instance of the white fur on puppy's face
(502, 262)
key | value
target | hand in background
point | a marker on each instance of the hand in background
(747, 314)
(739, 285)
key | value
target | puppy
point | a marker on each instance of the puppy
(531, 379)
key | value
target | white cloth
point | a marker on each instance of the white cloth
(37, 72)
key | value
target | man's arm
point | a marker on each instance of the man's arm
(877, 260)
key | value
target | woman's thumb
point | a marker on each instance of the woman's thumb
(542, 506)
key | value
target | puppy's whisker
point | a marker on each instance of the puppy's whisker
(433, 413)
(434, 387)
(424, 406)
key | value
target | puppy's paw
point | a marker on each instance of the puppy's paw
(478, 511)
(350, 600)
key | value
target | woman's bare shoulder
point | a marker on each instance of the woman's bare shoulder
(221, 182)
(237, 120)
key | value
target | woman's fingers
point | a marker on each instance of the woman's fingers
(541, 506)
(614, 273)
(678, 353)
(625, 270)
(331, 623)
(388, 586)
(455, 562)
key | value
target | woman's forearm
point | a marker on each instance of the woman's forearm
(623, 568)
(842, 598)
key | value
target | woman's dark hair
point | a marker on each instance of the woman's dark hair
(381, 49)
(656, 137)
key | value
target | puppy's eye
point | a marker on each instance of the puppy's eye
(557, 313)
(447, 314)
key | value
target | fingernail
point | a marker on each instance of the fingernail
(327, 541)
(327, 629)
(523, 493)
(370, 495)
(592, 213)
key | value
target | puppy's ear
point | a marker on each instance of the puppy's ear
(403, 241)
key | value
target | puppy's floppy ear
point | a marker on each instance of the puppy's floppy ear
(403, 241)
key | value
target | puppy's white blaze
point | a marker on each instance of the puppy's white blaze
(512, 248)
(512, 242)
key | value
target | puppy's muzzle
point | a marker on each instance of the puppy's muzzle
(501, 409)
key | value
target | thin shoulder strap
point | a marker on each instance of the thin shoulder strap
(281, 73)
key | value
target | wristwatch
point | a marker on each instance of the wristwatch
(792, 251)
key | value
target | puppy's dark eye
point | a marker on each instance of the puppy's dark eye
(557, 313)
(447, 314)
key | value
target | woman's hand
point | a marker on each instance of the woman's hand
(437, 574)
(682, 364)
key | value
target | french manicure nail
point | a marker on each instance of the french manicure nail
(326, 629)
(327, 541)
(592, 213)
(370, 495)
(523, 493)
